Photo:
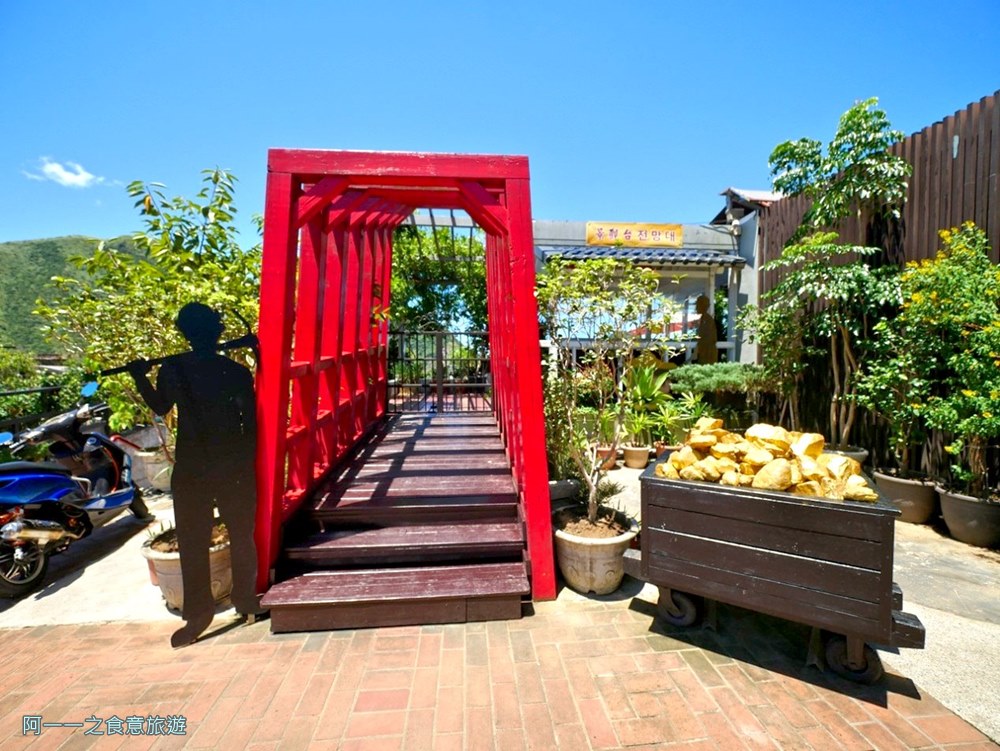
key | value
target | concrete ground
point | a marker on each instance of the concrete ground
(576, 673)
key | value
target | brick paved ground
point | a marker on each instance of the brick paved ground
(579, 674)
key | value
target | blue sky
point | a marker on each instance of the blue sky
(628, 111)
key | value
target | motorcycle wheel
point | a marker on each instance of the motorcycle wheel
(20, 574)
(138, 507)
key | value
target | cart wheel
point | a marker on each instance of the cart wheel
(676, 608)
(836, 659)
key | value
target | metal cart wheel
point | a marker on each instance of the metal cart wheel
(866, 667)
(677, 608)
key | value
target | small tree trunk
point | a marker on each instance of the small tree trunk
(977, 464)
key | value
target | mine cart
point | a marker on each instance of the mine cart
(823, 563)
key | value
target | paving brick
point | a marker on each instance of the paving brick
(333, 721)
(581, 679)
(948, 729)
(820, 739)
(538, 727)
(368, 724)
(298, 734)
(199, 705)
(721, 731)
(829, 718)
(390, 660)
(477, 686)
(425, 688)
(383, 699)
(597, 723)
(528, 680)
(372, 680)
(452, 668)
(688, 685)
(395, 643)
(506, 706)
(237, 735)
(522, 645)
(709, 674)
(746, 725)
(429, 650)
(475, 649)
(352, 668)
(479, 728)
(685, 723)
(643, 730)
(645, 681)
(571, 737)
(615, 698)
(331, 655)
(449, 742)
(382, 743)
(209, 731)
(745, 688)
(450, 716)
(419, 732)
(559, 699)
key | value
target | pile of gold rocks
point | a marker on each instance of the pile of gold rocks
(766, 457)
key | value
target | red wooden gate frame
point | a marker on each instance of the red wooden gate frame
(321, 385)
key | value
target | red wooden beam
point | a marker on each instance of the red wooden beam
(275, 334)
(529, 383)
(318, 196)
(403, 164)
(485, 204)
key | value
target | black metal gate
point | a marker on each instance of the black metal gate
(439, 371)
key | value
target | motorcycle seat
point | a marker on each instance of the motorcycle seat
(9, 468)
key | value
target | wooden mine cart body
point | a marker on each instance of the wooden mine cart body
(824, 563)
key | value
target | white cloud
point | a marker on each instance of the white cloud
(68, 174)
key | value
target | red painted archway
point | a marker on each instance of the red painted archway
(321, 385)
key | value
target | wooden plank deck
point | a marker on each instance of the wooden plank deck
(420, 525)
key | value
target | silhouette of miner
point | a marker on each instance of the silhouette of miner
(215, 460)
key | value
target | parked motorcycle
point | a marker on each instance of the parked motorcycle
(45, 506)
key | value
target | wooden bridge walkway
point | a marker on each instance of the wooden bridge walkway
(421, 525)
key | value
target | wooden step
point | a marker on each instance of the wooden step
(385, 510)
(410, 544)
(369, 598)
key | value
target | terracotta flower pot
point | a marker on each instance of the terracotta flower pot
(593, 564)
(916, 499)
(636, 457)
(971, 520)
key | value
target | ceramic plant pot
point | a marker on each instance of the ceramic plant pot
(971, 520)
(167, 568)
(636, 457)
(916, 499)
(593, 564)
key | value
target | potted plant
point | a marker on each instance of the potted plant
(611, 310)
(955, 299)
(162, 554)
(638, 443)
(896, 384)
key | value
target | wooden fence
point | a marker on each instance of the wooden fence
(956, 163)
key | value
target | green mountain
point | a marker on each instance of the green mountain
(26, 268)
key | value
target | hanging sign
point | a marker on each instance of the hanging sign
(634, 235)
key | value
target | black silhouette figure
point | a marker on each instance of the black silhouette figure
(215, 462)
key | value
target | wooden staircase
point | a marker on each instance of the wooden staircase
(421, 525)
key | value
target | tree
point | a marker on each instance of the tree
(124, 307)
(438, 281)
(613, 308)
(831, 292)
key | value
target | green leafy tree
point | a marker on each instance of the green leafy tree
(614, 308)
(855, 174)
(951, 316)
(123, 307)
(438, 281)
(831, 294)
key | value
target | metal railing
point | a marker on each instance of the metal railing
(439, 371)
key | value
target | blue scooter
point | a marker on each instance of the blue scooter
(46, 506)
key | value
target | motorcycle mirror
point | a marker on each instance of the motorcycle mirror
(6, 438)
(89, 389)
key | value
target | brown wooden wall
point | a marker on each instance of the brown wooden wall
(948, 187)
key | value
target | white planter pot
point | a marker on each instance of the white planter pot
(593, 564)
(168, 574)
(151, 469)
